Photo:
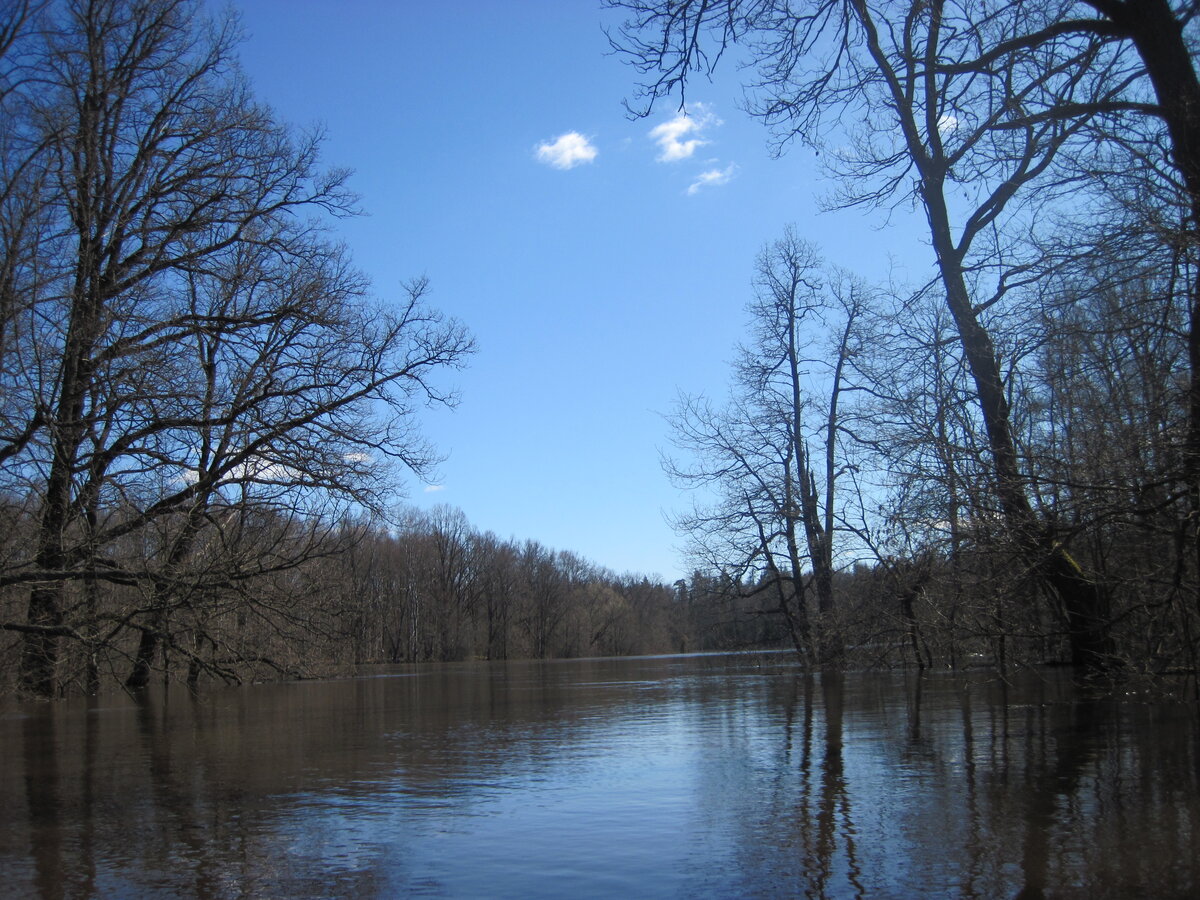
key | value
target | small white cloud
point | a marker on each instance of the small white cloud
(670, 135)
(713, 178)
(947, 123)
(566, 151)
(434, 488)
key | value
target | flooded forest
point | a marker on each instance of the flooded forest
(206, 414)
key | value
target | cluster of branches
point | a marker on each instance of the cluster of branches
(1031, 415)
(195, 384)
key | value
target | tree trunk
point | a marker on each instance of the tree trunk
(39, 656)
(148, 643)
(1157, 35)
(1084, 604)
(143, 660)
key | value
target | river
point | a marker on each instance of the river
(682, 776)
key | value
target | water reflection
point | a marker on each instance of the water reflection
(38, 734)
(680, 776)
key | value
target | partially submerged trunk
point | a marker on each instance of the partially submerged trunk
(1084, 604)
(154, 629)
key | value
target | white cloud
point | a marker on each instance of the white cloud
(434, 488)
(713, 178)
(947, 123)
(566, 151)
(256, 469)
(670, 135)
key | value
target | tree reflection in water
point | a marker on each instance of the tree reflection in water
(665, 777)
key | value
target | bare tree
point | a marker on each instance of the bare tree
(182, 340)
(496, 563)
(1162, 34)
(773, 455)
(549, 581)
(959, 109)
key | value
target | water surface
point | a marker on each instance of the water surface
(721, 776)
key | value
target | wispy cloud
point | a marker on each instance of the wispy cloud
(713, 178)
(566, 151)
(434, 488)
(682, 136)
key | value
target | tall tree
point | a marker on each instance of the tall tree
(177, 329)
(773, 456)
(957, 107)
(1162, 34)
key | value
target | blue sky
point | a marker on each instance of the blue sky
(602, 264)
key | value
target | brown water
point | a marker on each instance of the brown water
(711, 776)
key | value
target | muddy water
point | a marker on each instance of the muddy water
(701, 776)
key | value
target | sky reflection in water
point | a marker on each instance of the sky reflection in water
(666, 777)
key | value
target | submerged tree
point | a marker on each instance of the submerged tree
(773, 456)
(963, 109)
(182, 342)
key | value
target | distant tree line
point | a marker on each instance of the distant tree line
(436, 589)
(287, 598)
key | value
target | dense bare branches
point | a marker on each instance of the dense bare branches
(772, 456)
(995, 120)
(185, 349)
